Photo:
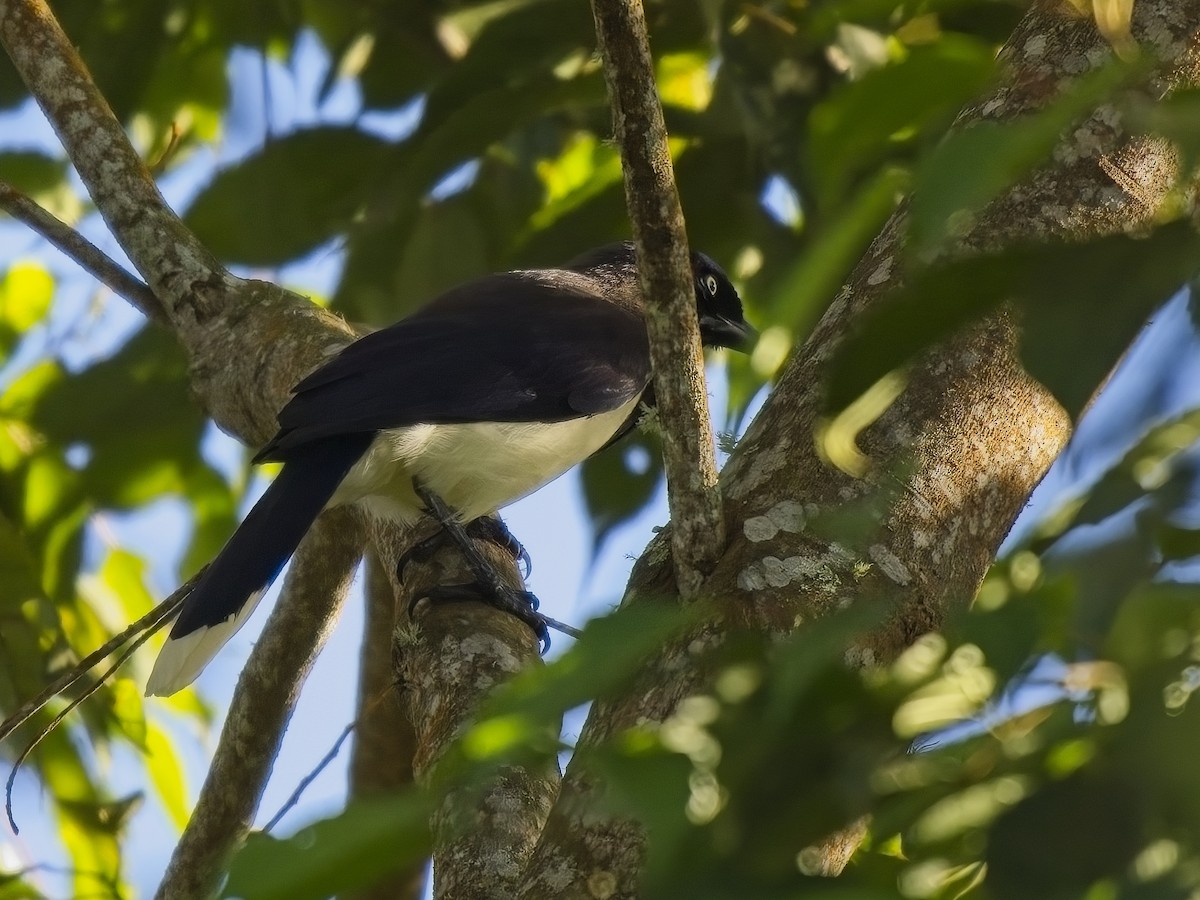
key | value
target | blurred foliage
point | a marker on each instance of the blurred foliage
(797, 128)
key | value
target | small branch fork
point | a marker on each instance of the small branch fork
(82, 251)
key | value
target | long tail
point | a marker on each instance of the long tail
(253, 558)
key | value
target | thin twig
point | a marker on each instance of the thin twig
(82, 251)
(67, 710)
(311, 776)
(150, 622)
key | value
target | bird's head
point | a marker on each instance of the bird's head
(719, 307)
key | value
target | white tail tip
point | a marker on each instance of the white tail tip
(182, 659)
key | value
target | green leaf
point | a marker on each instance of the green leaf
(369, 839)
(606, 656)
(166, 774)
(1146, 467)
(25, 297)
(451, 137)
(1103, 815)
(31, 172)
(1081, 306)
(144, 382)
(809, 287)
(547, 31)
(864, 121)
(293, 195)
(974, 165)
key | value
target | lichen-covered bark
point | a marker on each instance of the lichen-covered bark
(666, 272)
(446, 658)
(976, 432)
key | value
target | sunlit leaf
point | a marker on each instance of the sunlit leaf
(25, 296)
(166, 774)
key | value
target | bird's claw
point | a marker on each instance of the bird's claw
(485, 528)
(493, 529)
(521, 604)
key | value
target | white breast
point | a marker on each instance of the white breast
(476, 468)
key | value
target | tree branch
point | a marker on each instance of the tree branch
(248, 342)
(384, 742)
(82, 252)
(445, 661)
(963, 493)
(665, 266)
(185, 277)
(266, 694)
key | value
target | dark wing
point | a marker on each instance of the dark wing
(507, 348)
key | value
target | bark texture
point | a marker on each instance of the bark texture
(666, 271)
(976, 432)
(445, 663)
(247, 343)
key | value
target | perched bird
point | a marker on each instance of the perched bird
(495, 388)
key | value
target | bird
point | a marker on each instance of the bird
(491, 390)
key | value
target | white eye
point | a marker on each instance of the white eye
(710, 282)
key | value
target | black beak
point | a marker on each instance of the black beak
(717, 331)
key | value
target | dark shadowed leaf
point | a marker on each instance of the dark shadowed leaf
(145, 385)
(293, 195)
(820, 270)
(620, 481)
(1103, 817)
(1081, 305)
(32, 172)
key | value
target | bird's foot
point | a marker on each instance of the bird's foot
(485, 528)
(492, 528)
(489, 586)
(521, 604)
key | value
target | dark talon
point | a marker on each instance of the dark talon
(493, 529)
(489, 587)
(485, 528)
(521, 604)
(422, 551)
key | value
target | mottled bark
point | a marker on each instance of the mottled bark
(446, 658)
(665, 267)
(976, 432)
